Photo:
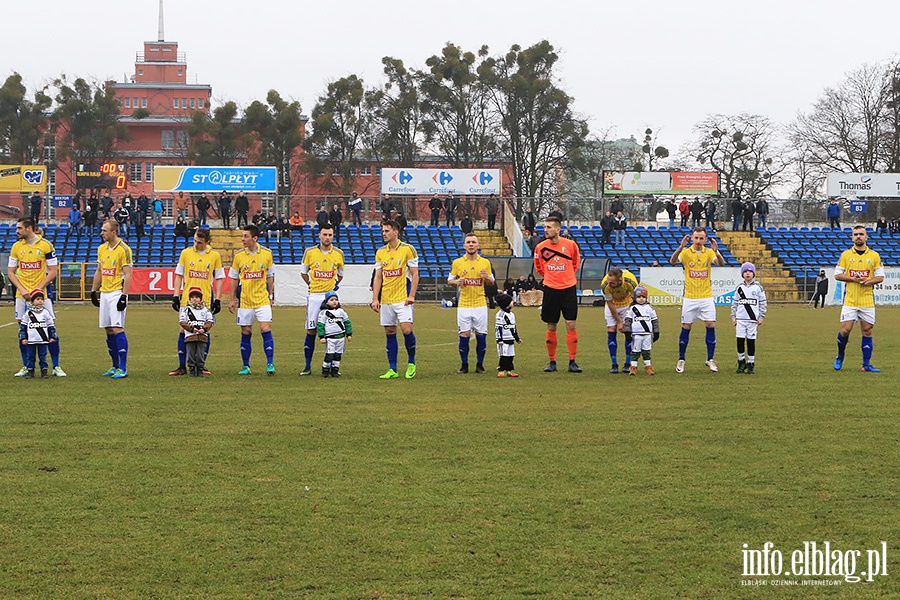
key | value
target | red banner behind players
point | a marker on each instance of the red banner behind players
(159, 282)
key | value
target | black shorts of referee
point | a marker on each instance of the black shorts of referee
(563, 301)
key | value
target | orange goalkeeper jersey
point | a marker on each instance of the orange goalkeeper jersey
(557, 263)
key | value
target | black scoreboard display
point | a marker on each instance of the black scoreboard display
(107, 175)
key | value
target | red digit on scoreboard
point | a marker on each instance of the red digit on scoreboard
(120, 182)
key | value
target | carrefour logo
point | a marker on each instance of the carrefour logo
(402, 177)
(482, 178)
(33, 176)
(442, 178)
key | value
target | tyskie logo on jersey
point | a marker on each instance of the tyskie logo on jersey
(472, 281)
(253, 275)
(107, 272)
(322, 274)
(393, 272)
(198, 274)
(698, 273)
(30, 266)
(555, 267)
(863, 273)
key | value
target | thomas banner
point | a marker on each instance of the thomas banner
(470, 182)
(257, 180)
(665, 285)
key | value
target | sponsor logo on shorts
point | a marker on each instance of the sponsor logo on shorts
(393, 272)
(30, 266)
(253, 275)
(108, 272)
(864, 273)
(698, 274)
(198, 274)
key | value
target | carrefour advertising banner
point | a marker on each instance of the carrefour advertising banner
(624, 183)
(440, 181)
(872, 185)
(23, 178)
(665, 285)
(258, 180)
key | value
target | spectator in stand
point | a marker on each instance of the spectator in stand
(89, 217)
(74, 219)
(203, 208)
(607, 224)
(710, 209)
(128, 202)
(138, 218)
(259, 220)
(242, 208)
(529, 221)
(466, 225)
(284, 226)
(76, 200)
(296, 221)
(322, 217)
(182, 230)
(616, 205)
(355, 204)
(895, 226)
(834, 214)
(435, 206)
(158, 208)
(749, 209)
(533, 239)
(762, 212)
(450, 206)
(144, 203)
(225, 209)
(737, 209)
(400, 218)
(671, 210)
(881, 226)
(180, 205)
(335, 217)
(684, 209)
(620, 225)
(696, 212)
(492, 207)
(107, 205)
(386, 205)
(121, 216)
(821, 289)
(509, 287)
(273, 226)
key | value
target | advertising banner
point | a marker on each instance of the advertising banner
(61, 201)
(665, 285)
(624, 183)
(259, 180)
(868, 185)
(470, 182)
(23, 178)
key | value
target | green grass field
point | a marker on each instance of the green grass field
(446, 486)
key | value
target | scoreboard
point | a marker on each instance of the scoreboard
(108, 175)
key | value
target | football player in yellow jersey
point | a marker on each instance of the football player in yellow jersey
(617, 286)
(698, 303)
(860, 269)
(396, 281)
(199, 266)
(33, 265)
(322, 269)
(471, 272)
(254, 270)
(113, 280)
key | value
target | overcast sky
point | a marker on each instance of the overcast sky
(629, 66)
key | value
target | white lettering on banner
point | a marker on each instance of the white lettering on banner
(155, 277)
(881, 185)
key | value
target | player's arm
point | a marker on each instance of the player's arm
(762, 304)
(840, 275)
(235, 277)
(376, 288)
(270, 288)
(53, 271)
(14, 279)
(304, 272)
(126, 279)
(98, 276)
(720, 260)
(414, 273)
(453, 278)
(676, 256)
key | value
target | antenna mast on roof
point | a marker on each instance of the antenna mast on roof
(162, 35)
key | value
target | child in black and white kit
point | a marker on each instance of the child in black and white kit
(334, 329)
(36, 331)
(196, 320)
(748, 309)
(643, 325)
(507, 336)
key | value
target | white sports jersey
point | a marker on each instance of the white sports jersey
(39, 325)
(641, 319)
(749, 302)
(505, 325)
(334, 323)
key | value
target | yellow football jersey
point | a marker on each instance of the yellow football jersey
(252, 270)
(620, 297)
(471, 292)
(31, 261)
(865, 265)
(199, 269)
(323, 268)
(112, 260)
(394, 266)
(697, 272)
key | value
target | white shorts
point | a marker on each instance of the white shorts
(693, 309)
(394, 314)
(21, 307)
(747, 329)
(610, 321)
(641, 342)
(335, 345)
(472, 319)
(109, 315)
(313, 306)
(263, 314)
(850, 313)
(506, 349)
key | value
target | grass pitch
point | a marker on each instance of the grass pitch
(552, 485)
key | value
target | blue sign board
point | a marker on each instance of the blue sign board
(61, 201)
(859, 206)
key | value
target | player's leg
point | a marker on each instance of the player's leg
(391, 349)
(464, 323)
(182, 356)
(480, 327)
(53, 347)
(866, 326)
(23, 349)
(263, 316)
(551, 311)
(409, 340)
(848, 318)
(313, 302)
(245, 321)
(611, 339)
